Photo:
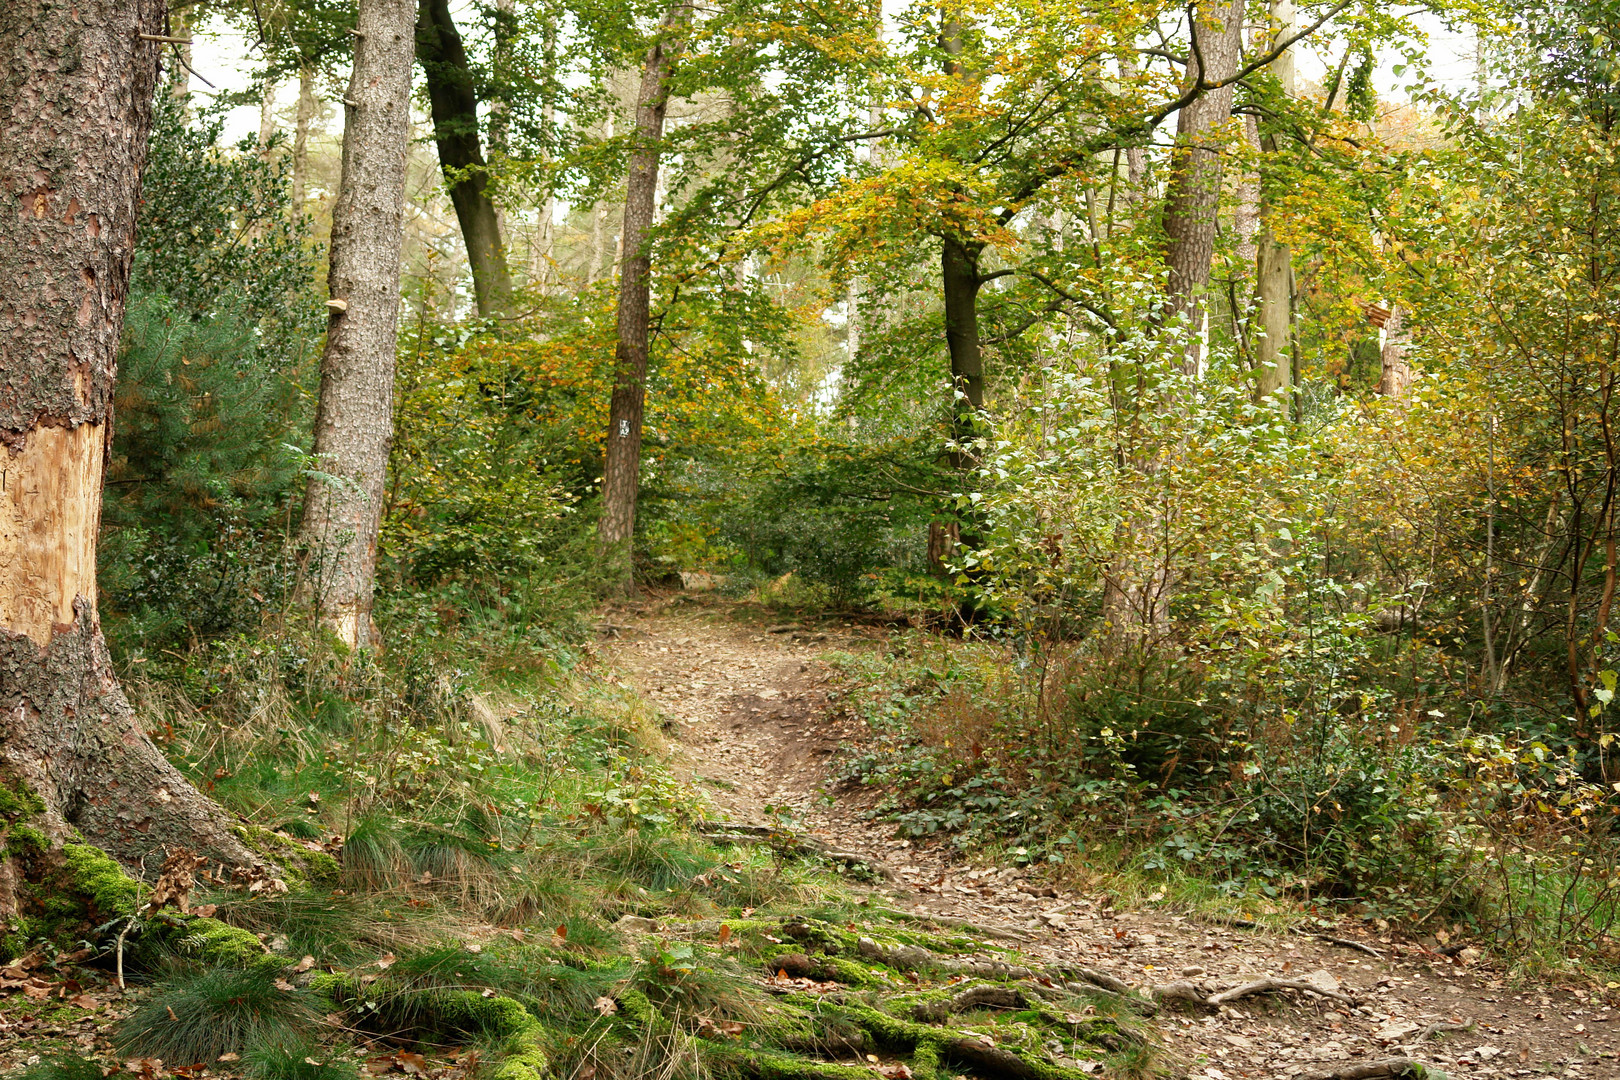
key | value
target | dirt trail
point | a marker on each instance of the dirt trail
(749, 710)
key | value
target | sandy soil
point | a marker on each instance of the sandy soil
(747, 703)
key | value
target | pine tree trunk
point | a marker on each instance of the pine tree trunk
(621, 474)
(1274, 261)
(72, 147)
(300, 147)
(1196, 167)
(454, 102)
(354, 419)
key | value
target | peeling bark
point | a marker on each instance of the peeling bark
(76, 94)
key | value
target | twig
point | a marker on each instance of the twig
(162, 40)
(120, 961)
(180, 58)
(1343, 943)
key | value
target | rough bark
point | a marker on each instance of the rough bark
(76, 92)
(300, 147)
(453, 100)
(1196, 168)
(1274, 260)
(621, 474)
(354, 419)
(1395, 374)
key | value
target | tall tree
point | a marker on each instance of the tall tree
(621, 474)
(1193, 195)
(453, 98)
(72, 148)
(354, 418)
(1274, 259)
(300, 144)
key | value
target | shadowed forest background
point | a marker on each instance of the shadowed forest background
(1234, 470)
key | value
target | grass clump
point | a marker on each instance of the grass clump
(63, 1067)
(196, 1016)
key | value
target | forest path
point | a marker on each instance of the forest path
(748, 711)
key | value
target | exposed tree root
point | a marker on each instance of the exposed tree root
(1269, 985)
(726, 832)
(1376, 1069)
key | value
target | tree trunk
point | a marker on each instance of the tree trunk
(1395, 375)
(454, 103)
(1196, 168)
(960, 272)
(1274, 269)
(300, 147)
(621, 475)
(267, 116)
(354, 419)
(72, 147)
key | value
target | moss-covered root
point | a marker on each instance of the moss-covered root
(501, 1018)
(931, 1046)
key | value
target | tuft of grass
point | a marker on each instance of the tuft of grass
(64, 1067)
(296, 1059)
(194, 1017)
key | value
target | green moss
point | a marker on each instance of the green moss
(25, 840)
(526, 1063)
(300, 866)
(16, 801)
(217, 943)
(102, 883)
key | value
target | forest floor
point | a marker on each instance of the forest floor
(747, 707)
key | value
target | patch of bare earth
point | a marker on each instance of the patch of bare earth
(748, 705)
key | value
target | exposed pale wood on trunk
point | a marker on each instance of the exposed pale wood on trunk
(621, 474)
(354, 419)
(72, 148)
(50, 505)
